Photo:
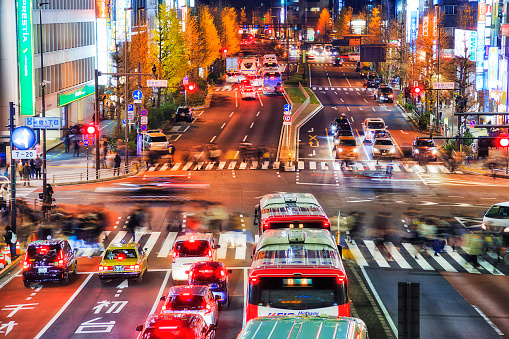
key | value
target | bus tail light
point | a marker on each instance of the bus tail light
(254, 280)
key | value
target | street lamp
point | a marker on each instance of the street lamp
(43, 108)
(126, 92)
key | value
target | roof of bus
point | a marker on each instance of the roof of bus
(303, 327)
(281, 248)
(288, 204)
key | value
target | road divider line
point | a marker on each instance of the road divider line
(231, 114)
(341, 99)
(252, 124)
(245, 137)
(223, 125)
(330, 83)
(236, 101)
(212, 140)
(63, 308)
(161, 291)
(348, 108)
(260, 98)
(257, 114)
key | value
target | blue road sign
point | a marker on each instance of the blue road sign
(43, 122)
(130, 107)
(23, 138)
(137, 95)
(288, 107)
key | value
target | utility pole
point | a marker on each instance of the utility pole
(126, 131)
(97, 121)
(43, 108)
(13, 171)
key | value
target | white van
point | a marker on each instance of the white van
(496, 219)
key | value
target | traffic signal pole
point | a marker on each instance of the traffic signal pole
(97, 120)
(13, 171)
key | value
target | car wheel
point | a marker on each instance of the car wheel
(26, 283)
(139, 280)
(75, 271)
(65, 280)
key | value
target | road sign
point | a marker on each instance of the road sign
(23, 138)
(443, 85)
(144, 119)
(286, 123)
(143, 112)
(27, 154)
(287, 107)
(130, 108)
(137, 95)
(130, 115)
(43, 122)
(287, 118)
(143, 128)
(185, 81)
(137, 101)
(157, 83)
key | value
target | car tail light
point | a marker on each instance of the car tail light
(254, 280)
(222, 274)
(163, 308)
(136, 267)
(26, 264)
(60, 260)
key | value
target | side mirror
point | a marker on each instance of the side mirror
(139, 328)
(217, 246)
(230, 271)
(163, 298)
(217, 297)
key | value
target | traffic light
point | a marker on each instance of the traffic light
(225, 50)
(89, 129)
(503, 141)
(182, 89)
(191, 87)
(416, 90)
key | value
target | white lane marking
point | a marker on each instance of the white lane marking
(300, 165)
(330, 83)
(251, 125)
(176, 166)
(348, 108)
(221, 165)
(365, 100)
(232, 165)
(167, 245)
(48, 325)
(257, 114)
(240, 251)
(222, 126)
(212, 140)
(149, 245)
(187, 166)
(243, 140)
(236, 101)
(341, 99)
(352, 119)
(201, 113)
(161, 291)
(397, 255)
(420, 259)
(349, 84)
(312, 165)
(243, 165)
(118, 238)
(441, 261)
(231, 114)
(373, 108)
(223, 243)
(10, 278)
(499, 332)
(357, 254)
(432, 168)
(260, 98)
(379, 258)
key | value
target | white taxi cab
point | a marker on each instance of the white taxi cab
(191, 248)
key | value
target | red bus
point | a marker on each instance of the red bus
(290, 210)
(297, 272)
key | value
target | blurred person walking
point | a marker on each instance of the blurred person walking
(26, 174)
(11, 238)
(116, 164)
(38, 165)
(474, 243)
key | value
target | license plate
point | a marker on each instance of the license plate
(42, 270)
(118, 268)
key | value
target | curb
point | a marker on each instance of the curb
(11, 266)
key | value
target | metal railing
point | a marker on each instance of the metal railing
(90, 175)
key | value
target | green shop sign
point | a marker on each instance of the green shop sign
(25, 57)
(76, 94)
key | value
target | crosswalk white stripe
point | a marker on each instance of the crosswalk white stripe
(151, 169)
(265, 165)
(357, 89)
(324, 165)
(276, 165)
(379, 258)
(396, 255)
(326, 89)
(254, 164)
(420, 259)
(88, 251)
(176, 166)
(418, 169)
(209, 166)
(187, 166)
(314, 88)
(232, 165)
(360, 167)
(243, 165)
(167, 245)
(240, 251)
(396, 168)
(441, 261)
(444, 169)
(199, 166)
(337, 166)
(223, 243)
(407, 168)
(371, 166)
(320, 88)
(459, 259)
(164, 167)
(300, 165)
(118, 238)
(357, 254)
(487, 266)
(312, 165)
(432, 168)
(221, 165)
(149, 245)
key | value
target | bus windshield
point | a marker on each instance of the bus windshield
(298, 293)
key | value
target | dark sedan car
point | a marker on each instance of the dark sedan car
(423, 148)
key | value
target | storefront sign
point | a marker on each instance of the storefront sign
(102, 8)
(493, 67)
(76, 94)
(25, 57)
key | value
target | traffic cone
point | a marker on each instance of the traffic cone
(2, 260)
(18, 248)
(6, 252)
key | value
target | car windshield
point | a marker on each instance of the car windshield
(183, 110)
(384, 142)
(376, 125)
(129, 253)
(197, 248)
(386, 90)
(171, 331)
(270, 64)
(425, 143)
(347, 142)
(371, 77)
(186, 301)
(158, 139)
(46, 252)
(498, 212)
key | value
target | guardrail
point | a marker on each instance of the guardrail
(93, 176)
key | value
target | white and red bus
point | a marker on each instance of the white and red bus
(290, 210)
(297, 272)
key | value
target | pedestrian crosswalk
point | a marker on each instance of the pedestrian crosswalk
(367, 166)
(344, 89)
(408, 256)
(233, 245)
(346, 63)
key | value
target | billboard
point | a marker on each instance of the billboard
(25, 57)
(465, 43)
(373, 53)
(493, 67)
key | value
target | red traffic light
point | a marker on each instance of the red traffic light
(91, 129)
(225, 50)
(503, 142)
(191, 87)
(416, 90)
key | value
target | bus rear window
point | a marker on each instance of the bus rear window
(275, 225)
(298, 293)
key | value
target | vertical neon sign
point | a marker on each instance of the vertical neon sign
(25, 57)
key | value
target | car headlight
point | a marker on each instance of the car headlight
(340, 150)
(484, 226)
(375, 149)
(393, 150)
(336, 141)
(506, 229)
(433, 151)
(391, 96)
(416, 150)
(355, 150)
(333, 128)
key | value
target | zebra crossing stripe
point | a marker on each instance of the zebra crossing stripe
(152, 168)
(488, 267)
(243, 165)
(418, 169)
(397, 255)
(187, 166)
(232, 164)
(444, 169)
(118, 238)
(167, 245)
(240, 251)
(176, 166)
(459, 259)
(395, 168)
(209, 166)
(164, 167)
(360, 167)
(265, 165)
(149, 245)
(375, 253)
(371, 166)
(314, 88)
(326, 89)
(431, 168)
(417, 256)
(221, 165)
(357, 89)
(254, 165)
(441, 261)
(199, 166)
(276, 165)
(357, 254)
(320, 88)
(324, 165)
(407, 168)
(337, 166)
(312, 165)
(223, 243)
